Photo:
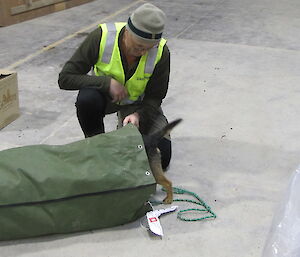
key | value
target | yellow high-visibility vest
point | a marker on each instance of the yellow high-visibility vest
(110, 64)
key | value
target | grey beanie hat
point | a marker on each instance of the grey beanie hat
(147, 22)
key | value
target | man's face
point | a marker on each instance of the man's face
(135, 46)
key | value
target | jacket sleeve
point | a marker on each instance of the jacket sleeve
(157, 86)
(74, 74)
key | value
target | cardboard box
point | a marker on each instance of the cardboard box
(9, 97)
(14, 11)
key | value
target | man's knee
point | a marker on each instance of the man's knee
(165, 148)
(89, 98)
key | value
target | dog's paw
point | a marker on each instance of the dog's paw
(168, 200)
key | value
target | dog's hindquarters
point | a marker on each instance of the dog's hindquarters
(154, 156)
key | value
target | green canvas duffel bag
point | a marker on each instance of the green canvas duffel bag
(98, 182)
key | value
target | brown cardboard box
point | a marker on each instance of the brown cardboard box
(9, 97)
(14, 11)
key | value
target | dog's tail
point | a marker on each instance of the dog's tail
(156, 136)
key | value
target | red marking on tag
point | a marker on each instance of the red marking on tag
(153, 219)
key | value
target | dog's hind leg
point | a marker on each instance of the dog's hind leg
(155, 164)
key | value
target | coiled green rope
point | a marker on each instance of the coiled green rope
(199, 202)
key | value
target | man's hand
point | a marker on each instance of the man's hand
(133, 118)
(117, 91)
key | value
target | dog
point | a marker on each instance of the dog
(153, 153)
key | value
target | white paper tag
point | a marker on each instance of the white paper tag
(153, 220)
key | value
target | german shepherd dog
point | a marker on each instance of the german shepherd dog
(153, 153)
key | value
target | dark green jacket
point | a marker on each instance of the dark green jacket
(74, 73)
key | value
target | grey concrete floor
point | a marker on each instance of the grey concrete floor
(235, 82)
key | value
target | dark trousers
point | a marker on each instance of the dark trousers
(92, 106)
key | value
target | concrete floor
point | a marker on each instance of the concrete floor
(235, 82)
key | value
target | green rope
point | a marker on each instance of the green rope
(199, 201)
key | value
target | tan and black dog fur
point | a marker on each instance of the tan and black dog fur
(151, 142)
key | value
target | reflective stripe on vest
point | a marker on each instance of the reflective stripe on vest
(109, 46)
(150, 63)
(109, 62)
